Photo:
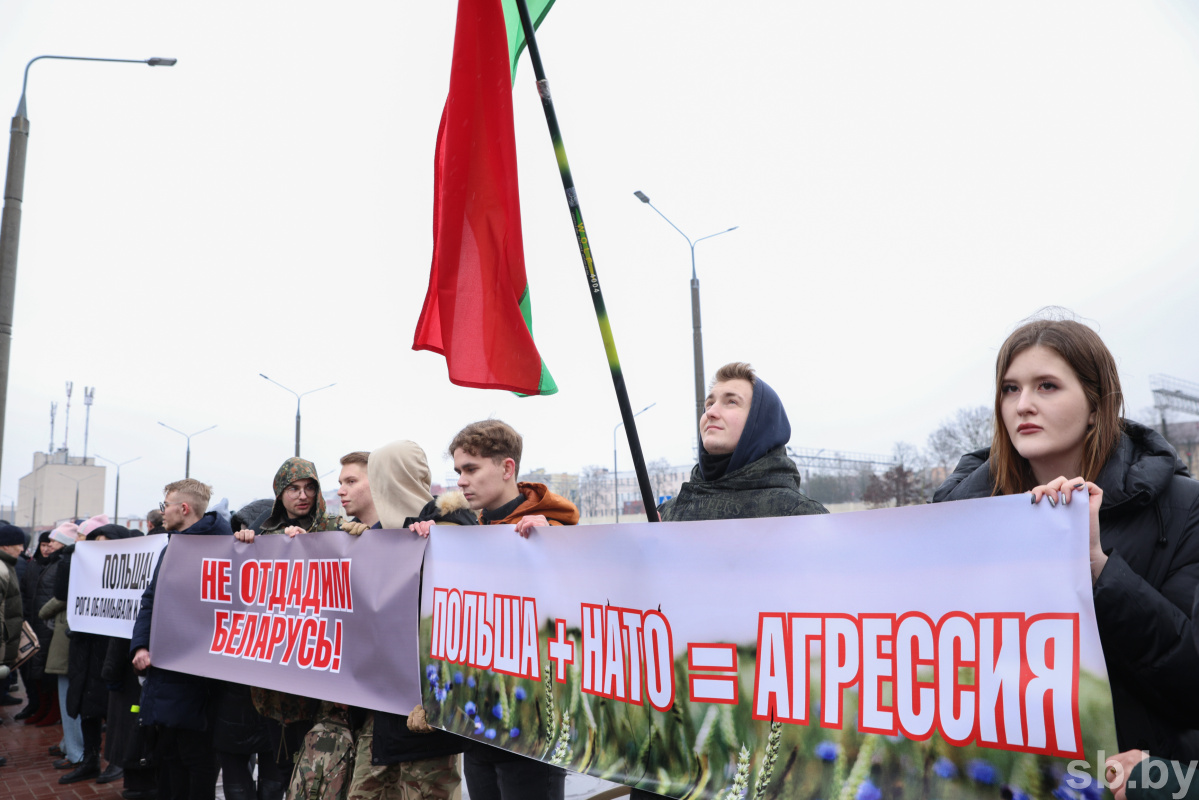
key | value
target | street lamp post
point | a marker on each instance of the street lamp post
(116, 503)
(298, 396)
(77, 482)
(615, 472)
(187, 464)
(696, 330)
(10, 223)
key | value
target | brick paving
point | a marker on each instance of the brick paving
(29, 774)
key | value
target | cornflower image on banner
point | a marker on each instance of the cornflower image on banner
(940, 651)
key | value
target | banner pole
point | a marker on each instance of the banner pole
(597, 296)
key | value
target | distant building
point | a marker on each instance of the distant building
(47, 495)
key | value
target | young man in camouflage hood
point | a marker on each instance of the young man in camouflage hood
(298, 501)
(299, 508)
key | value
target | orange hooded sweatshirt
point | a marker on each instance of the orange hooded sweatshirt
(540, 500)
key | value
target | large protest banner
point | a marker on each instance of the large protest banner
(107, 581)
(324, 615)
(931, 651)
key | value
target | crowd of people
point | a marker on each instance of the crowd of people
(1059, 435)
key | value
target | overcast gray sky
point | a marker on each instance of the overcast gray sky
(911, 180)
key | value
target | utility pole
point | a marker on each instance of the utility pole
(89, 392)
(66, 423)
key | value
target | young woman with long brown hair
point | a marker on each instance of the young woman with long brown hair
(1059, 435)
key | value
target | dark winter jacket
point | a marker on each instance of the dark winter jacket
(238, 727)
(1149, 529)
(39, 589)
(173, 699)
(14, 614)
(767, 487)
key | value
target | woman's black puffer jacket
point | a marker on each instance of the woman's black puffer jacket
(1149, 528)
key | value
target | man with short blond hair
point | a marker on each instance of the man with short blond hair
(178, 703)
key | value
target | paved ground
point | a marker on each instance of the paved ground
(29, 774)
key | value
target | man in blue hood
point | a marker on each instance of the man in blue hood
(178, 703)
(743, 468)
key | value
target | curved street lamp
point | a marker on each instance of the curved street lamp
(77, 482)
(615, 472)
(116, 503)
(298, 396)
(10, 223)
(696, 331)
(187, 464)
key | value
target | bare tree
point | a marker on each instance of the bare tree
(968, 430)
(594, 484)
(660, 476)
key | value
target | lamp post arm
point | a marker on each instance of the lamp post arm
(154, 62)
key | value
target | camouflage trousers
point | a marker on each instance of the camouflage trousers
(428, 779)
(326, 762)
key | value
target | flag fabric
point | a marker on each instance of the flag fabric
(477, 310)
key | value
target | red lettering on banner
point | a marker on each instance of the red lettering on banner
(562, 650)
(659, 660)
(838, 665)
(278, 636)
(220, 634)
(530, 653)
(507, 634)
(214, 580)
(324, 647)
(295, 589)
(630, 633)
(438, 623)
(916, 702)
(453, 630)
(613, 683)
(236, 622)
(957, 648)
(878, 672)
(278, 599)
(247, 582)
(1051, 685)
(247, 639)
(328, 598)
(293, 637)
(306, 651)
(772, 678)
(593, 648)
(312, 590)
(463, 630)
(720, 687)
(994, 680)
(347, 596)
(999, 668)
(336, 664)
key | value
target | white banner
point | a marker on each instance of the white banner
(107, 581)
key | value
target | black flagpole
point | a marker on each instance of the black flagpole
(597, 296)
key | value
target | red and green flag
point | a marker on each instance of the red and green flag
(477, 311)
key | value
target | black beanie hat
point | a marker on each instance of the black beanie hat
(11, 534)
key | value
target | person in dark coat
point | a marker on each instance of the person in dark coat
(177, 704)
(37, 589)
(87, 692)
(743, 470)
(1059, 435)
